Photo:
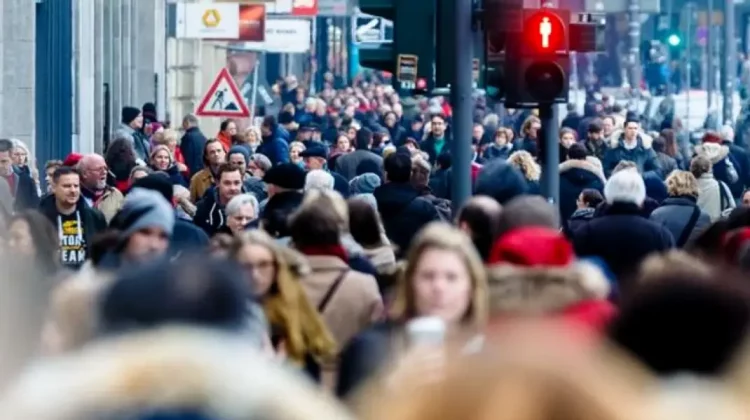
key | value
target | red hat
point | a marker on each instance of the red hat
(72, 159)
(711, 137)
(734, 242)
(532, 246)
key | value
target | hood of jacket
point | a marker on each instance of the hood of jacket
(393, 198)
(215, 212)
(222, 377)
(581, 172)
(616, 139)
(713, 151)
(544, 290)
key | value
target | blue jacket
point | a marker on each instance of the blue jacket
(191, 146)
(274, 147)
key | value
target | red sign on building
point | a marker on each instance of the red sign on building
(305, 7)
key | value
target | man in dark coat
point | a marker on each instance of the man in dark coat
(192, 144)
(273, 146)
(576, 175)
(621, 236)
(438, 140)
(403, 210)
(347, 164)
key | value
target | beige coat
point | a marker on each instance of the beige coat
(353, 307)
(110, 203)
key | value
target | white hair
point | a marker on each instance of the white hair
(625, 186)
(318, 179)
(311, 101)
(237, 202)
(727, 132)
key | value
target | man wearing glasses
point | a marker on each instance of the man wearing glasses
(93, 171)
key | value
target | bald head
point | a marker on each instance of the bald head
(480, 218)
(93, 170)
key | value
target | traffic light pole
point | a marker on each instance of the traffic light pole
(461, 102)
(550, 134)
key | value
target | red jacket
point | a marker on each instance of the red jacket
(475, 168)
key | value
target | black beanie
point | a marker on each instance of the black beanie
(158, 182)
(129, 113)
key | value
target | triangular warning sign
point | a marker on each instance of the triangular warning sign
(223, 99)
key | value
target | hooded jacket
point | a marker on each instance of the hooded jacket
(210, 215)
(91, 219)
(274, 147)
(575, 176)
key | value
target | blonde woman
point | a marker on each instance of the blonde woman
(252, 134)
(524, 162)
(162, 160)
(443, 278)
(680, 212)
(298, 331)
(170, 138)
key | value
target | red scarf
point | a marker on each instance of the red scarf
(326, 250)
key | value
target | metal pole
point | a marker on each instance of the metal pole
(710, 48)
(254, 97)
(550, 172)
(730, 65)
(634, 33)
(461, 101)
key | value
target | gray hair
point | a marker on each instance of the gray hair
(262, 161)
(318, 179)
(191, 119)
(240, 201)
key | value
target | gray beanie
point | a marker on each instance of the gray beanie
(144, 209)
(364, 184)
(368, 198)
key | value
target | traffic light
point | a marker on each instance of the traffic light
(413, 42)
(674, 40)
(537, 61)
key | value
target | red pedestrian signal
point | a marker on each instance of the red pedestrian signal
(545, 32)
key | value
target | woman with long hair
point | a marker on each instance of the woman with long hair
(532, 172)
(444, 279)
(121, 160)
(297, 329)
(33, 238)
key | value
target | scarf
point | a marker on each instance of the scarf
(326, 250)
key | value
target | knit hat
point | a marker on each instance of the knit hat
(143, 209)
(239, 149)
(364, 184)
(286, 175)
(532, 246)
(72, 159)
(368, 198)
(156, 182)
(711, 137)
(129, 114)
(149, 111)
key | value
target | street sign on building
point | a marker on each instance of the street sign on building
(223, 99)
(372, 30)
(620, 6)
(207, 20)
(284, 36)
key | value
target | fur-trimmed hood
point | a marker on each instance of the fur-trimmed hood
(583, 165)
(544, 290)
(614, 138)
(713, 151)
(165, 371)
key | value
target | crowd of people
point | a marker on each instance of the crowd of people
(184, 272)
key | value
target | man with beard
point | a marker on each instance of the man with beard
(94, 189)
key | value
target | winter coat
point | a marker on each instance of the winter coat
(404, 212)
(742, 159)
(274, 147)
(346, 165)
(25, 191)
(666, 164)
(623, 238)
(642, 155)
(715, 197)
(575, 176)
(578, 219)
(109, 203)
(223, 376)
(191, 145)
(200, 183)
(725, 168)
(91, 219)
(210, 214)
(494, 151)
(596, 148)
(676, 214)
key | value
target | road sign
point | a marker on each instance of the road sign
(223, 99)
(406, 70)
(370, 29)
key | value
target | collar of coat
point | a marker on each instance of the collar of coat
(166, 370)
(543, 290)
(584, 165)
